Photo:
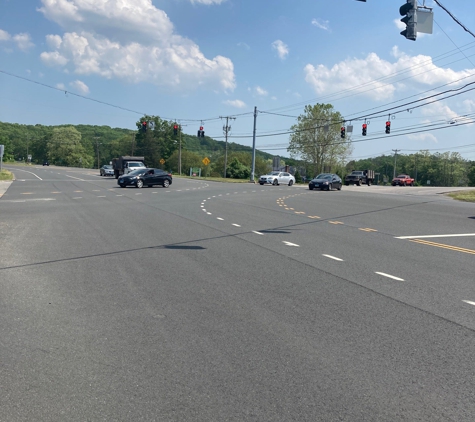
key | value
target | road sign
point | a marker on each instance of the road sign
(162, 161)
(206, 161)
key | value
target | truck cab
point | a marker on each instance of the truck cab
(133, 165)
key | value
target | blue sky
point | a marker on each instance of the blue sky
(199, 60)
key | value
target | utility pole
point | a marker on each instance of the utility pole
(253, 166)
(226, 130)
(97, 146)
(179, 149)
(395, 155)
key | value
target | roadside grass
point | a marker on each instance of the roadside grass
(6, 175)
(465, 195)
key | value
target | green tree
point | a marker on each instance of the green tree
(65, 148)
(237, 170)
(316, 138)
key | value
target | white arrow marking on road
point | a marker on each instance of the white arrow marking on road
(390, 276)
(333, 257)
(291, 244)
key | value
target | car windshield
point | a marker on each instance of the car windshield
(275, 173)
(138, 172)
(402, 176)
(324, 176)
(107, 167)
(136, 165)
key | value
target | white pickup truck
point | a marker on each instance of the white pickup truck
(276, 178)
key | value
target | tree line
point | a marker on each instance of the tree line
(317, 144)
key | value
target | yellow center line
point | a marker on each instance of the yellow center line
(313, 216)
(367, 229)
(335, 222)
(441, 245)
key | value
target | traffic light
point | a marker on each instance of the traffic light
(175, 130)
(409, 11)
(388, 126)
(144, 126)
(342, 132)
(365, 126)
(201, 132)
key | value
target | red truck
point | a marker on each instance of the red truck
(403, 180)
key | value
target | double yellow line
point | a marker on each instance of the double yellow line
(441, 245)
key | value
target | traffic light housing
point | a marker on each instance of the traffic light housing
(175, 130)
(364, 127)
(343, 132)
(409, 11)
(144, 126)
(201, 132)
(388, 127)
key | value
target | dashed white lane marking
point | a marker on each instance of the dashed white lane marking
(237, 225)
(436, 235)
(208, 213)
(102, 196)
(262, 234)
(77, 178)
(290, 244)
(77, 197)
(389, 276)
(219, 218)
(333, 257)
(469, 302)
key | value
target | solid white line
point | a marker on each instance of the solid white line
(470, 303)
(262, 234)
(390, 276)
(333, 257)
(237, 225)
(436, 235)
(290, 244)
(219, 218)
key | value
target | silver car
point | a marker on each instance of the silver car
(106, 170)
(276, 178)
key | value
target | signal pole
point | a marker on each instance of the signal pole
(253, 165)
(226, 130)
(395, 155)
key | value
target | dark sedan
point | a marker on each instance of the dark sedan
(326, 181)
(145, 177)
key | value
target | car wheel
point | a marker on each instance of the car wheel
(310, 187)
(140, 183)
(291, 183)
(368, 182)
(404, 184)
(339, 187)
(166, 183)
(261, 183)
(359, 183)
(275, 183)
(330, 187)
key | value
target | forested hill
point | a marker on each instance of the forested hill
(32, 140)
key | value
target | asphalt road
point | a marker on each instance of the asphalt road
(233, 302)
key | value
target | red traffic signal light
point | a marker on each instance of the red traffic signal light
(342, 132)
(144, 126)
(201, 132)
(365, 126)
(388, 126)
(175, 129)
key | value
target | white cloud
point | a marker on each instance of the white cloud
(243, 44)
(261, 91)
(80, 86)
(425, 137)
(235, 103)
(61, 86)
(130, 40)
(378, 79)
(23, 41)
(281, 48)
(4, 35)
(320, 23)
